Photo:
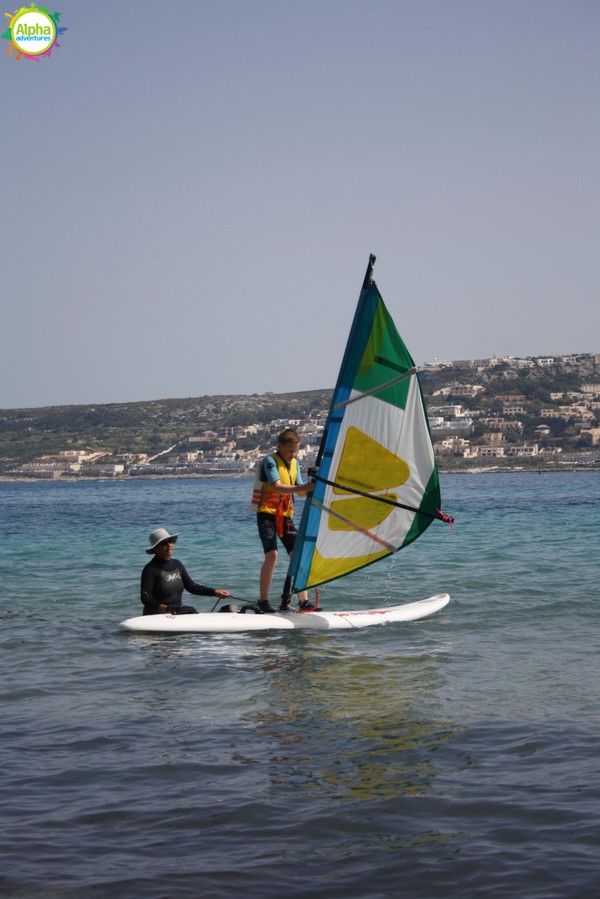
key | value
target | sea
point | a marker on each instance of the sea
(455, 756)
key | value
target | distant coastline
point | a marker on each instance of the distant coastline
(485, 415)
(475, 470)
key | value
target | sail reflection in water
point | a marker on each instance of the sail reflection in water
(372, 709)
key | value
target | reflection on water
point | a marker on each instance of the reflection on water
(318, 713)
(348, 724)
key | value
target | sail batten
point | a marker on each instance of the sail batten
(355, 526)
(376, 390)
(386, 363)
(376, 484)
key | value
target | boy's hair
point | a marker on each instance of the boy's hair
(288, 435)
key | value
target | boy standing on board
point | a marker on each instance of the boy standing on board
(281, 480)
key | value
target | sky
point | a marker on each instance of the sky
(191, 191)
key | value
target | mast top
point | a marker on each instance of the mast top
(369, 272)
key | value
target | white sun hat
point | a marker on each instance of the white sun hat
(159, 536)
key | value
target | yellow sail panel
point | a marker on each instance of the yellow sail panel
(367, 464)
(360, 512)
(324, 569)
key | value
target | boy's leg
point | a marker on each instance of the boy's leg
(266, 574)
(268, 536)
(289, 541)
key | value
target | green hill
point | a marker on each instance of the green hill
(482, 388)
(27, 434)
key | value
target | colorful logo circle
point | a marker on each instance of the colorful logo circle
(33, 32)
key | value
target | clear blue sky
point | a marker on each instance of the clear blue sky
(191, 190)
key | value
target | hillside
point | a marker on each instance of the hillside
(493, 407)
(144, 427)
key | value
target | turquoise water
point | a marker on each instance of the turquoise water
(455, 756)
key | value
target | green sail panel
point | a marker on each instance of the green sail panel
(384, 358)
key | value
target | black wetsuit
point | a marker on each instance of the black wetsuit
(164, 583)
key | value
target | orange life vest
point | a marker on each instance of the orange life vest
(281, 505)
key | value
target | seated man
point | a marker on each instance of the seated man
(164, 579)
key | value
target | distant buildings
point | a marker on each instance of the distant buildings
(490, 422)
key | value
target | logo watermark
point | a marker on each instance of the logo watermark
(33, 32)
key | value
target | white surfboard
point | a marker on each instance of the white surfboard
(237, 622)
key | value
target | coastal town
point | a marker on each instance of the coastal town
(495, 413)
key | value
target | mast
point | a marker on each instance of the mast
(369, 272)
(368, 282)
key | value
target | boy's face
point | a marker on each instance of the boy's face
(287, 451)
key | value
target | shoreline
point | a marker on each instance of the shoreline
(7, 479)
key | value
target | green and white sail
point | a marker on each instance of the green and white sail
(377, 486)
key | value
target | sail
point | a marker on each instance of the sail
(377, 486)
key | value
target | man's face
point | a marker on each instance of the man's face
(164, 550)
